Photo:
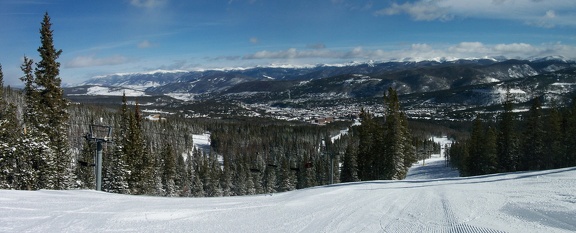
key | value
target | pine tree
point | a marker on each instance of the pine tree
(569, 159)
(116, 173)
(489, 159)
(34, 156)
(474, 162)
(507, 142)
(9, 134)
(533, 139)
(139, 160)
(409, 149)
(53, 113)
(226, 180)
(286, 179)
(85, 169)
(395, 139)
(365, 157)
(271, 185)
(553, 140)
(213, 175)
(350, 166)
(180, 180)
(168, 168)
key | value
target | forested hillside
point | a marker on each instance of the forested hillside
(43, 145)
(535, 140)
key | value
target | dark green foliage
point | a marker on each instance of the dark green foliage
(570, 139)
(532, 157)
(385, 151)
(53, 111)
(546, 141)
(350, 166)
(507, 140)
(9, 137)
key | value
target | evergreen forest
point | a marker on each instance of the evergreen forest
(538, 139)
(43, 144)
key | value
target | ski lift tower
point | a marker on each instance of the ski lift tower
(99, 134)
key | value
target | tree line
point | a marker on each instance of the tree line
(537, 140)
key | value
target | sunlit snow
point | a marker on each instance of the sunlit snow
(431, 199)
(98, 90)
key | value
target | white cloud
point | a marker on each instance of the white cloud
(144, 44)
(420, 11)
(532, 12)
(550, 14)
(89, 61)
(290, 53)
(515, 48)
(148, 3)
(468, 47)
(419, 52)
(316, 46)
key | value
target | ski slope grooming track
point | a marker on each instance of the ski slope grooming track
(542, 201)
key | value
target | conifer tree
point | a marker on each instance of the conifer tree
(569, 140)
(9, 135)
(226, 181)
(116, 173)
(366, 158)
(139, 160)
(474, 162)
(33, 153)
(213, 174)
(350, 167)
(168, 167)
(395, 140)
(53, 112)
(271, 185)
(179, 180)
(489, 159)
(85, 169)
(507, 142)
(286, 180)
(553, 140)
(533, 138)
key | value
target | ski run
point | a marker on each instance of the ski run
(431, 199)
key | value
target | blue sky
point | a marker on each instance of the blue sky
(119, 36)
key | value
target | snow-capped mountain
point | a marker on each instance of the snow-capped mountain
(418, 76)
(424, 84)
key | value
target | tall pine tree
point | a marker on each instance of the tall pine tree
(53, 113)
(507, 141)
(533, 143)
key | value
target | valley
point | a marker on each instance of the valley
(431, 90)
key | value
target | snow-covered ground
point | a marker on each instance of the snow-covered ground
(542, 201)
(107, 91)
(202, 141)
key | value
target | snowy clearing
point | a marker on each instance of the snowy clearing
(202, 141)
(107, 91)
(543, 201)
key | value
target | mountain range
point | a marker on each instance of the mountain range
(471, 83)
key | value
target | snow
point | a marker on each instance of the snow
(98, 90)
(182, 96)
(201, 141)
(431, 199)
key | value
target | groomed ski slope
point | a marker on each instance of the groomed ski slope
(543, 201)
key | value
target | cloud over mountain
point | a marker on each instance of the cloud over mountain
(89, 61)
